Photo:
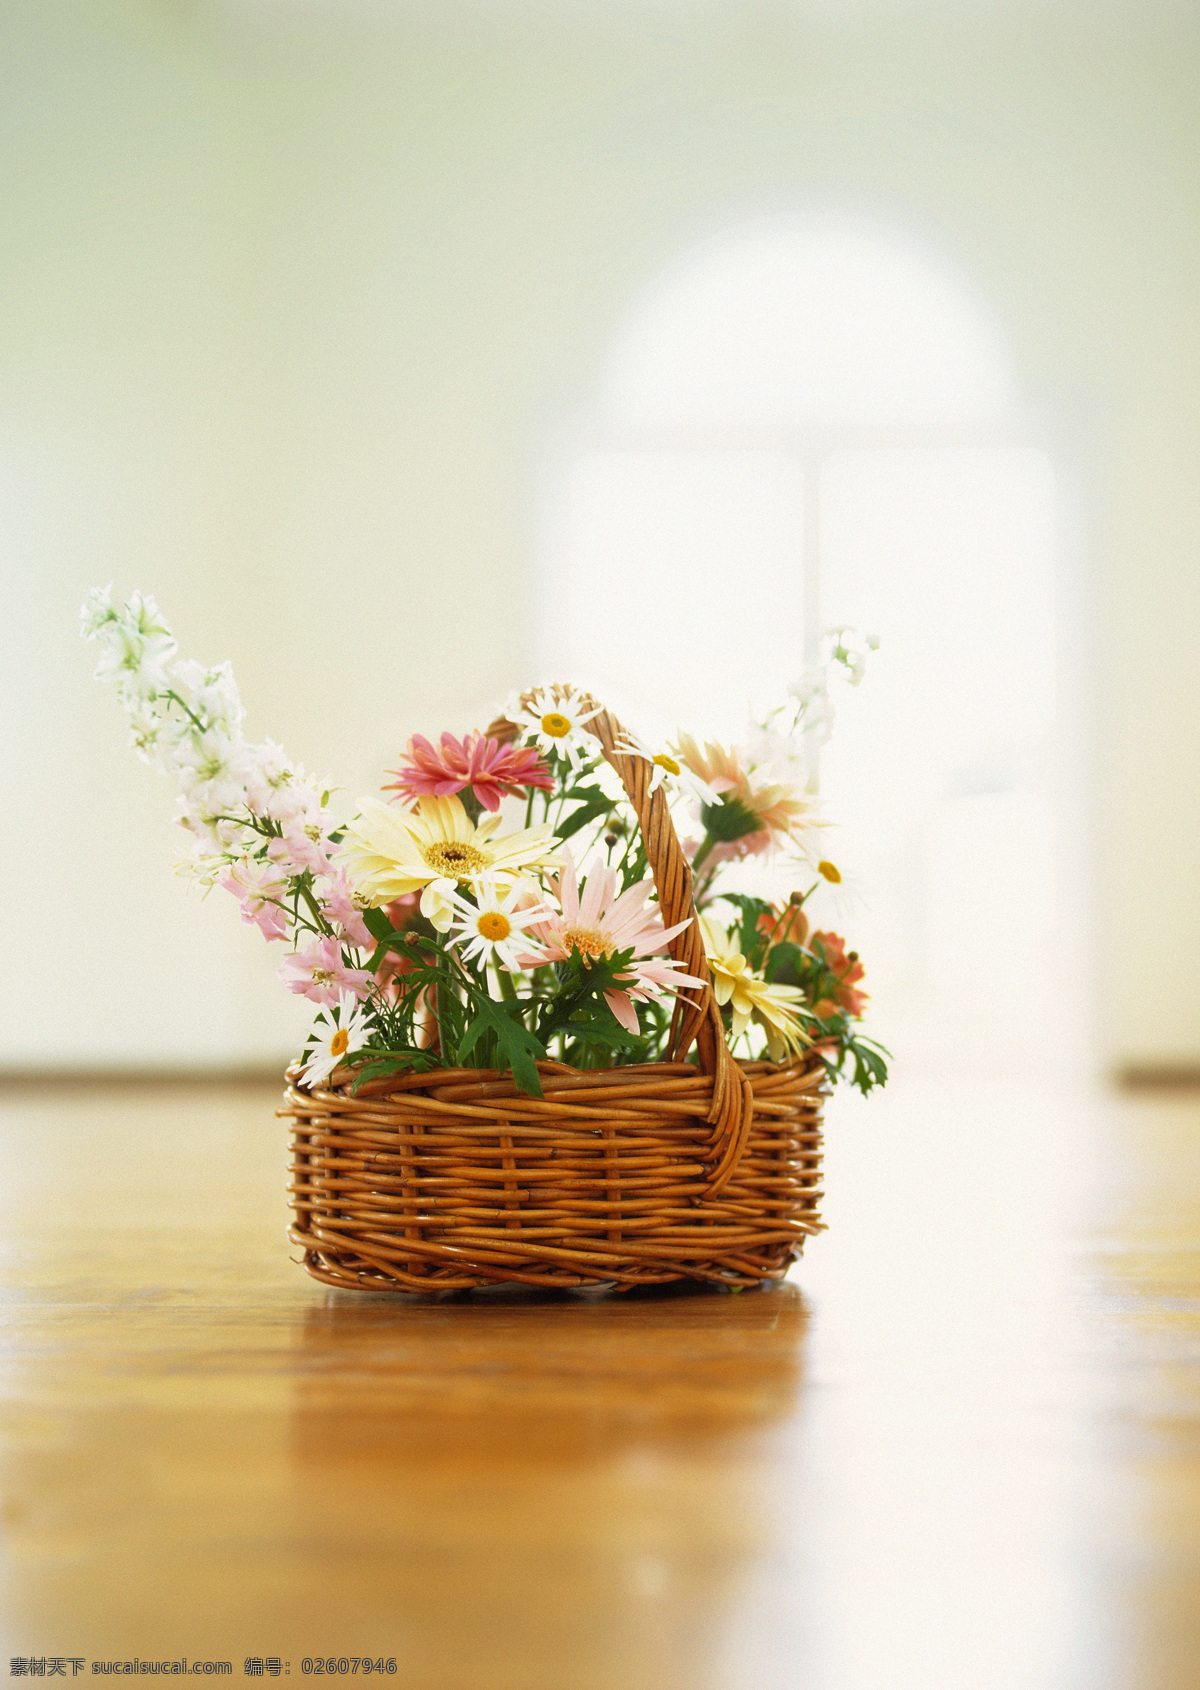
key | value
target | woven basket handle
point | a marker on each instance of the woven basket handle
(732, 1098)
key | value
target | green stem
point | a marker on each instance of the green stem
(190, 714)
(560, 1009)
(443, 1024)
(706, 845)
(307, 894)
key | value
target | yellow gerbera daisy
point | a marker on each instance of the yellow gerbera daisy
(751, 997)
(431, 849)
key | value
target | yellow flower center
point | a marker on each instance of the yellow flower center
(556, 725)
(667, 763)
(588, 941)
(493, 925)
(453, 859)
(339, 1043)
(830, 873)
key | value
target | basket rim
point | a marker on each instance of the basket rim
(556, 1077)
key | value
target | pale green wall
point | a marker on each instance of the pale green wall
(292, 294)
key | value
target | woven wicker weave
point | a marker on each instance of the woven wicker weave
(452, 1179)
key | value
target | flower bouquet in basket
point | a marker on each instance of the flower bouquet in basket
(514, 952)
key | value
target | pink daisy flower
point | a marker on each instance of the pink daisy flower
(490, 769)
(319, 973)
(598, 923)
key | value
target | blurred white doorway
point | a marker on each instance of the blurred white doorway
(815, 420)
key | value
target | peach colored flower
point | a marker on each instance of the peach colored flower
(776, 811)
(490, 769)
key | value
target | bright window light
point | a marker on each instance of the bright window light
(683, 588)
(811, 418)
(940, 771)
(822, 323)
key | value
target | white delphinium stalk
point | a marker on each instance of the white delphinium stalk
(814, 709)
(136, 644)
(211, 693)
(788, 741)
(187, 717)
(840, 650)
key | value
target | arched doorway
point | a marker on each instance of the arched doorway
(814, 420)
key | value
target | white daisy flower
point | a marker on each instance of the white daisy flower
(839, 893)
(556, 718)
(668, 770)
(495, 928)
(335, 1032)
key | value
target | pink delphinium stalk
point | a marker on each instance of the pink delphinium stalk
(260, 889)
(304, 844)
(598, 923)
(340, 910)
(491, 770)
(319, 973)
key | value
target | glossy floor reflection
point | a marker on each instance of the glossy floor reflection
(962, 1449)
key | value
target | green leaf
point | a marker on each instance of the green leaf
(729, 819)
(377, 924)
(870, 1068)
(602, 1028)
(581, 817)
(751, 942)
(393, 940)
(419, 1061)
(785, 965)
(516, 1047)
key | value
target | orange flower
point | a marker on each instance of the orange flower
(849, 971)
(788, 928)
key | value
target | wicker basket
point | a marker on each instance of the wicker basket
(453, 1179)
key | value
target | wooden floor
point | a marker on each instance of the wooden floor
(960, 1450)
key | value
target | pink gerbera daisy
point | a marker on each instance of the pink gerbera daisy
(490, 769)
(597, 923)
